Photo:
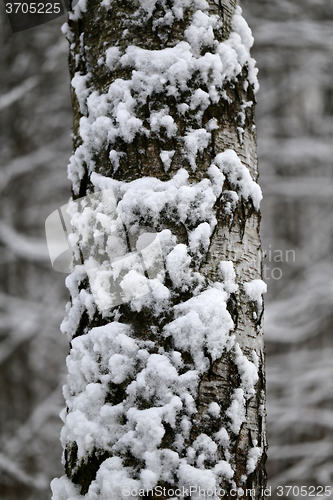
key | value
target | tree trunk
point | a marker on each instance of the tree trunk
(166, 391)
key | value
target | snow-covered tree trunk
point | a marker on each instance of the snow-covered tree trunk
(166, 391)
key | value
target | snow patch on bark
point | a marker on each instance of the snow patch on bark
(239, 176)
(254, 290)
(114, 116)
(252, 459)
(227, 273)
(111, 356)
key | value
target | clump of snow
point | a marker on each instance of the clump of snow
(202, 326)
(239, 176)
(223, 469)
(115, 158)
(252, 459)
(214, 409)
(162, 119)
(112, 56)
(105, 350)
(248, 372)
(240, 27)
(80, 7)
(241, 119)
(254, 290)
(117, 272)
(249, 377)
(63, 489)
(200, 33)
(202, 323)
(199, 241)
(167, 241)
(183, 201)
(79, 84)
(166, 157)
(222, 437)
(205, 449)
(236, 411)
(196, 141)
(75, 309)
(111, 355)
(190, 475)
(158, 300)
(178, 266)
(217, 179)
(106, 4)
(66, 30)
(200, 99)
(228, 276)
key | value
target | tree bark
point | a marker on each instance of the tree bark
(166, 90)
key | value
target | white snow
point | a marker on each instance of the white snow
(106, 4)
(162, 119)
(214, 409)
(66, 30)
(236, 411)
(184, 201)
(240, 27)
(109, 354)
(249, 377)
(112, 56)
(201, 324)
(222, 437)
(248, 372)
(196, 141)
(178, 266)
(159, 388)
(202, 321)
(80, 6)
(167, 71)
(75, 310)
(166, 157)
(254, 290)
(199, 241)
(200, 99)
(227, 273)
(79, 84)
(239, 176)
(252, 459)
(200, 33)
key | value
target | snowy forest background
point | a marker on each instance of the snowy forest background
(294, 52)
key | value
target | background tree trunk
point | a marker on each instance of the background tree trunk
(166, 90)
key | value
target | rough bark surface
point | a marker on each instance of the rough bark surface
(234, 238)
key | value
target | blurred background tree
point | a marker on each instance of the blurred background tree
(294, 51)
(35, 130)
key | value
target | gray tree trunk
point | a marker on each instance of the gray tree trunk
(168, 390)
